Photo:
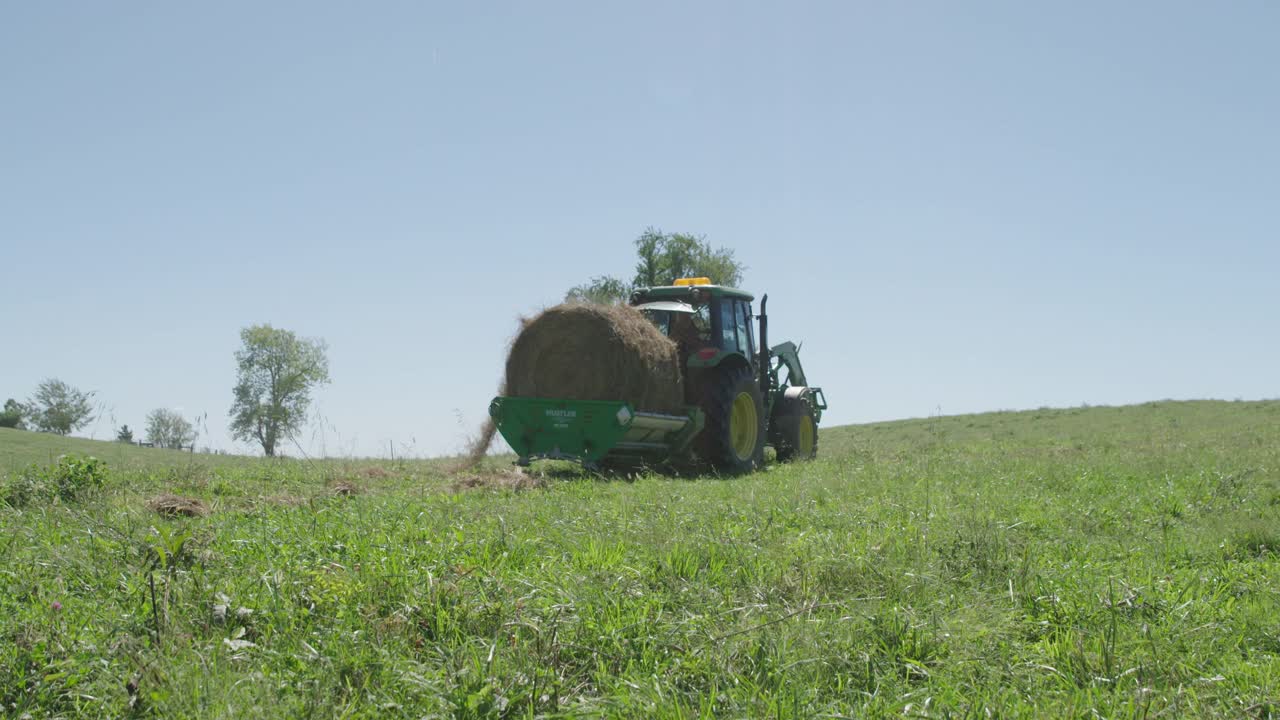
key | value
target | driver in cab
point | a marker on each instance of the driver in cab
(685, 331)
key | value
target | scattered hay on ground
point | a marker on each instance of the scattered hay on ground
(283, 500)
(469, 482)
(506, 480)
(175, 505)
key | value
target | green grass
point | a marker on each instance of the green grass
(1092, 562)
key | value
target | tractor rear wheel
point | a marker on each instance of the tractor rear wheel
(733, 440)
(793, 432)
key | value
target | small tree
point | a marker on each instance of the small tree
(59, 408)
(168, 429)
(14, 415)
(660, 259)
(276, 372)
(602, 290)
(124, 434)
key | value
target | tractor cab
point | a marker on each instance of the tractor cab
(676, 318)
(709, 322)
(737, 380)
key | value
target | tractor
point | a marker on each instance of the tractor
(737, 396)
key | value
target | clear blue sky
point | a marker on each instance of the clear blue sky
(957, 206)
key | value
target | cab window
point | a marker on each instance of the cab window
(735, 326)
(661, 319)
(701, 319)
(728, 324)
(746, 338)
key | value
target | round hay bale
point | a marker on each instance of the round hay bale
(579, 351)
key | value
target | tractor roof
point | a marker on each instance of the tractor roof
(679, 292)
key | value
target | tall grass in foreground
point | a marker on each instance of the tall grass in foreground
(1114, 562)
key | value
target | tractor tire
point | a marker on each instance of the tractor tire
(793, 432)
(734, 437)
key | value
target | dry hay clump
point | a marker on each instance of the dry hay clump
(175, 505)
(580, 351)
(344, 488)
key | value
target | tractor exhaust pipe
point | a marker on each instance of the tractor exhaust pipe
(764, 347)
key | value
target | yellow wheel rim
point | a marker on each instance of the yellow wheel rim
(744, 426)
(806, 441)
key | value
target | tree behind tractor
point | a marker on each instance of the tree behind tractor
(740, 395)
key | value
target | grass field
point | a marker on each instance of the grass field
(1091, 562)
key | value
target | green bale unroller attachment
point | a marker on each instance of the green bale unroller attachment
(743, 395)
(589, 430)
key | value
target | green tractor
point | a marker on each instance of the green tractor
(737, 397)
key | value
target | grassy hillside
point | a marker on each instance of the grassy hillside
(1115, 562)
(157, 470)
(19, 448)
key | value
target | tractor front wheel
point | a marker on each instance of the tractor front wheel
(733, 440)
(794, 432)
